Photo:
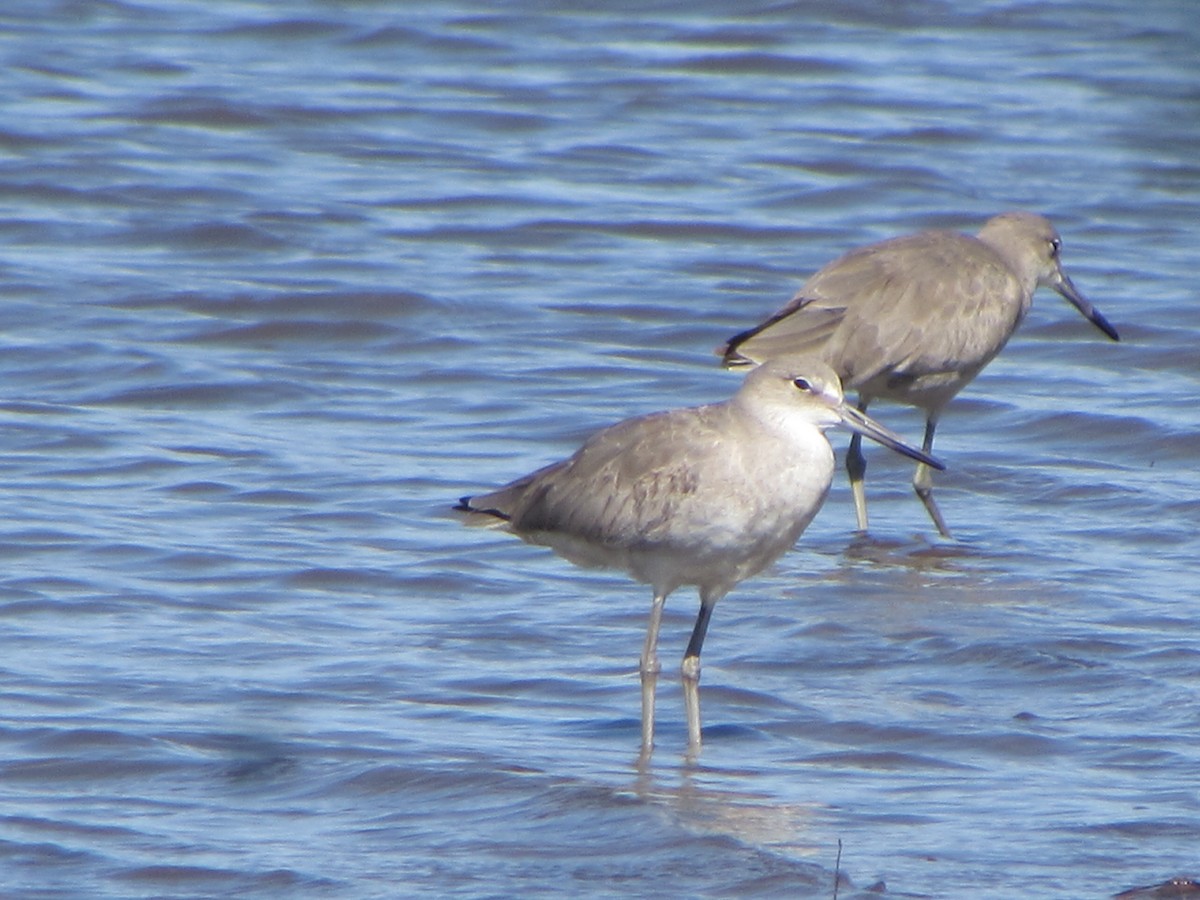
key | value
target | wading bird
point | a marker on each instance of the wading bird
(705, 496)
(914, 319)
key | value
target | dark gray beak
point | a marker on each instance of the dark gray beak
(866, 426)
(1063, 285)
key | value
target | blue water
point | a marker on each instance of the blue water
(281, 281)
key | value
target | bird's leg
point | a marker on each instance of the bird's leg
(691, 671)
(649, 668)
(856, 468)
(923, 481)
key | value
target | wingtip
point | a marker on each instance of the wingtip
(477, 515)
(730, 357)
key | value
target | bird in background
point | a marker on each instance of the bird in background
(914, 319)
(704, 496)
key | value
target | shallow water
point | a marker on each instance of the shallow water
(282, 282)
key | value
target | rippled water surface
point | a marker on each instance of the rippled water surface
(282, 280)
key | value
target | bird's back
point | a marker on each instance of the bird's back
(689, 496)
(913, 318)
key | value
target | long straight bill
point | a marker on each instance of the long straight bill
(866, 426)
(1089, 312)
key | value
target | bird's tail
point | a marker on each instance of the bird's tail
(481, 516)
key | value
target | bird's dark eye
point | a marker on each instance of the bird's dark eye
(803, 384)
(1055, 247)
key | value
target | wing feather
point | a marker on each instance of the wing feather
(889, 312)
(624, 484)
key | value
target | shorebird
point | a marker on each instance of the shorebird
(914, 319)
(704, 496)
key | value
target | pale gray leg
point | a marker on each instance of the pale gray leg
(691, 672)
(650, 667)
(923, 481)
(856, 468)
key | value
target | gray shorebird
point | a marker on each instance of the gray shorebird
(914, 319)
(705, 496)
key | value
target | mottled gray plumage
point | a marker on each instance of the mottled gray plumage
(706, 496)
(914, 319)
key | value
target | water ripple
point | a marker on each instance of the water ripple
(281, 285)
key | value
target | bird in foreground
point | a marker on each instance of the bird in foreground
(914, 319)
(704, 496)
